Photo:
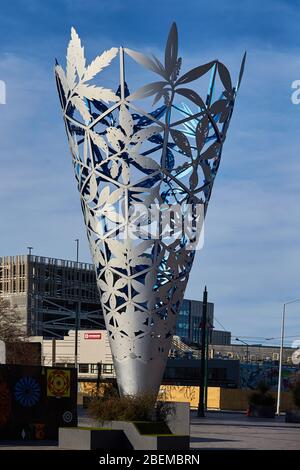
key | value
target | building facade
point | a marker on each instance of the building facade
(252, 353)
(189, 321)
(218, 337)
(94, 355)
(49, 292)
(228, 369)
(187, 372)
(93, 349)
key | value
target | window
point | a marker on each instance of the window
(108, 368)
(84, 368)
(94, 368)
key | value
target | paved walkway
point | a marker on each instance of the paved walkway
(219, 431)
(228, 430)
(15, 445)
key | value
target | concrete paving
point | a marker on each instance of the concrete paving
(217, 431)
(16, 445)
(233, 431)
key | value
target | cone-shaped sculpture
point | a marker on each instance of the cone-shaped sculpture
(131, 164)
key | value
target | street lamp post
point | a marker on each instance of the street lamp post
(201, 405)
(207, 341)
(247, 348)
(77, 313)
(281, 353)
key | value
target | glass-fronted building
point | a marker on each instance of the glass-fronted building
(189, 320)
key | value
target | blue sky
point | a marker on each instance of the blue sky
(251, 257)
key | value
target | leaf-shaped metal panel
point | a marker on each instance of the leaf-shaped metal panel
(95, 93)
(99, 141)
(171, 51)
(195, 73)
(241, 71)
(99, 63)
(191, 95)
(81, 106)
(147, 90)
(225, 76)
(181, 141)
(63, 79)
(150, 64)
(202, 132)
(126, 121)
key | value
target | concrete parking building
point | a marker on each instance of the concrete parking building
(48, 292)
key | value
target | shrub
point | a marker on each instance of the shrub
(163, 411)
(262, 396)
(109, 406)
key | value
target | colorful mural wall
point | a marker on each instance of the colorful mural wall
(35, 401)
(252, 374)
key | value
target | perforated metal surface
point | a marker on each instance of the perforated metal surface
(129, 152)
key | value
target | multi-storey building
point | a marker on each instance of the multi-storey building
(189, 321)
(49, 292)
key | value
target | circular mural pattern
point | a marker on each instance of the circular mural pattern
(5, 403)
(27, 391)
(67, 416)
(58, 383)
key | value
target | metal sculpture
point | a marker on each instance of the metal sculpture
(164, 159)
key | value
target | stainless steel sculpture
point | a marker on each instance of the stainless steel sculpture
(125, 157)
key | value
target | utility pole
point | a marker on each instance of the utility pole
(201, 405)
(77, 250)
(77, 311)
(247, 348)
(207, 339)
(281, 353)
(99, 372)
(53, 352)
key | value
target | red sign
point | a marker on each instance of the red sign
(92, 335)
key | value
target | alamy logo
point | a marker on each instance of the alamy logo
(295, 97)
(2, 92)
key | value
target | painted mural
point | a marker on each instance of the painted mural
(35, 401)
(252, 374)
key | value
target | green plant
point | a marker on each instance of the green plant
(109, 406)
(262, 396)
